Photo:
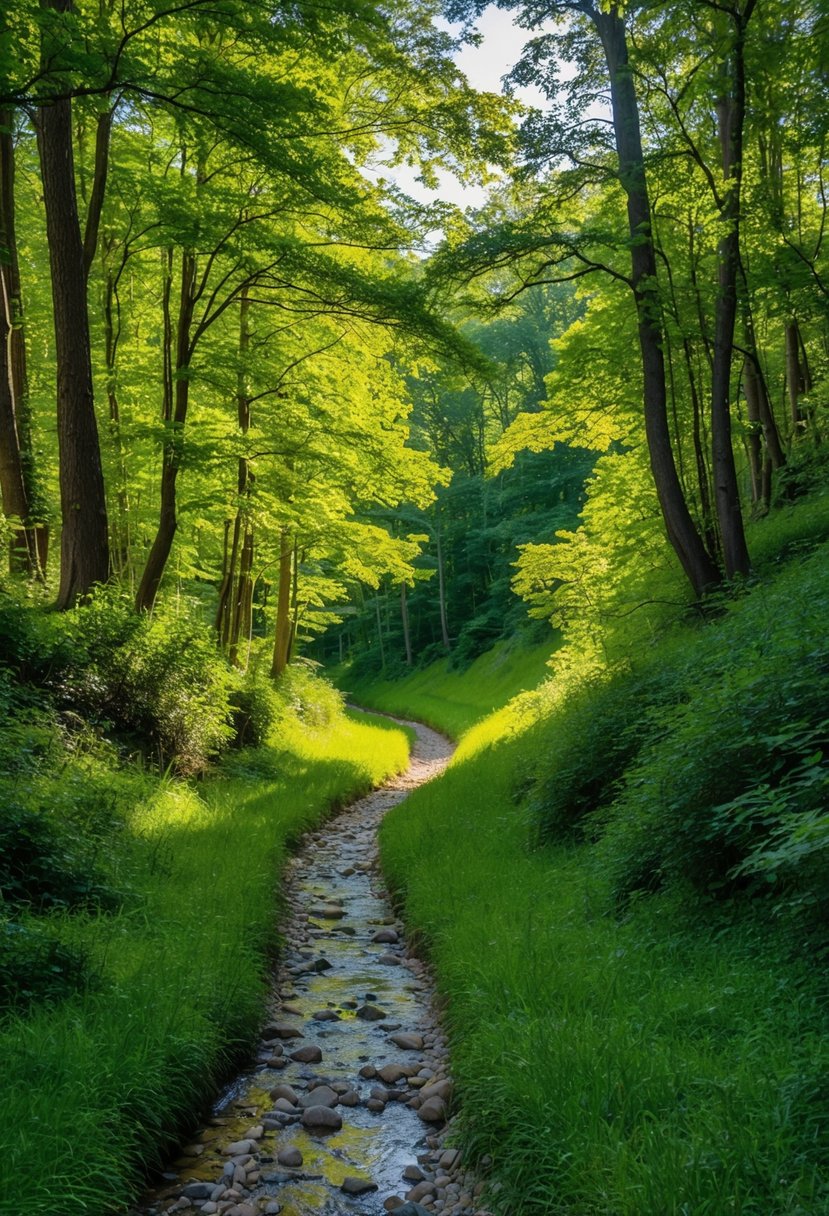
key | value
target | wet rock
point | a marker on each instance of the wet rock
(350, 1098)
(320, 1095)
(197, 1190)
(322, 964)
(307, 1055)
(370, 1013)
(282, 1030)
(385, 936)
(375, 1106)
(321, 1118)
(286, 1092)
(392, 1073)
(290, 1157)
(433, 1110)
(284, 1106)
(326, 912)
(408, 1042)
(243, 1209)
(254, 1133)
(438, 1089)
(326, 1015)
(358, 1186)
(272, 1208)
(368, 1072)
(413, 1173)
(421, 1191)
(412, 1208)
(239, 1148)
(393, 1203)
(450, 1159)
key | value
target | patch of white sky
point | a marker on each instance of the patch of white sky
(484, 65)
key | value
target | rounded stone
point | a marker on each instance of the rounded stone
(321, 1118)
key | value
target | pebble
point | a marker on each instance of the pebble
(290, 1157)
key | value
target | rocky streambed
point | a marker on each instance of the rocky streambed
(346, 1107)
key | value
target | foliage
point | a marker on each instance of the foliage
(177, 994)
(603, 1042)
(36, 969)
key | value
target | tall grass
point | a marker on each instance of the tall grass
(665, 1053)
(666, 1064)
(96, 1087)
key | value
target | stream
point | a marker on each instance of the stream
(344, 1109)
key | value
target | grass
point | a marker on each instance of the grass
(668, 1057)
(95, 1088)
(661, 1065)
(450, 700)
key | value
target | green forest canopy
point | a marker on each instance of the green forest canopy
(233, 367)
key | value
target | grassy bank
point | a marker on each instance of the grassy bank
(627, 918)
(451, 700)
(95, 1085)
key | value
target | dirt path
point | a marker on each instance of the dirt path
(345, 1109)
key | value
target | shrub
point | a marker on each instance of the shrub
(36, 968)
(590, 741)
(47, 862)
(732, 789)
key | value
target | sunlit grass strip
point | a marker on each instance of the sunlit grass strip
(453, 701)
(96, 1087)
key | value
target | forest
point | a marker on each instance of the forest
(290, 426)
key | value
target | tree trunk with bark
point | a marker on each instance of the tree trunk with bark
(682, 531)
(282, 637)
(27, 545)
(84, 544)
(173, 442)
(731, 120)
(404, 617)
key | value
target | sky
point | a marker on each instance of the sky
(484, 67)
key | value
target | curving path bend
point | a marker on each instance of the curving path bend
(345, 1108)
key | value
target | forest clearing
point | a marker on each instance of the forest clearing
(414, 471)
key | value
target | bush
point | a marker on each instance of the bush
(47, 862)
(594, 735)
(37, 969)
(731, 791)
(163, 690)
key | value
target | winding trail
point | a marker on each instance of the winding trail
(345, 1109)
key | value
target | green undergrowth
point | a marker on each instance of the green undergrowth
(99, 1077)
(452, 700)
(627, 915)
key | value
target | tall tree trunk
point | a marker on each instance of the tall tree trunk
(17, 480)
(682, 532)
(444, 626)
(404, 616)
(84, 542)
(731, 117)
(236, 593)
(282, 636)
(173, 443)
(798, 376)
(120, 543)
(380, 630)
(754, 433)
